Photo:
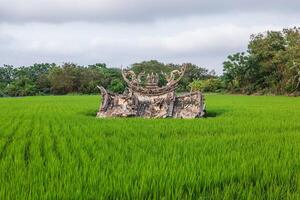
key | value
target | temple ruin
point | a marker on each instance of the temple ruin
(147, 99)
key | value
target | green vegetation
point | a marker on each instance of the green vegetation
(43, 79)
(271, 64)
(53, 147)
(207, 85)
(192, 72)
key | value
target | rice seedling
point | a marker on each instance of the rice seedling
(51, 147)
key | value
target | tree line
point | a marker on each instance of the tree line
(45, 78)
(271, 65)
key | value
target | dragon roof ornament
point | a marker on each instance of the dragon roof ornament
(146, 99)
(151, 87)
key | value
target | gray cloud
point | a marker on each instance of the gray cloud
(131, 10)
(124, 32)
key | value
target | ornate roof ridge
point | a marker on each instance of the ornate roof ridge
(151, 88)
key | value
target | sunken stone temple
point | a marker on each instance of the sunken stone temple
(146, 99)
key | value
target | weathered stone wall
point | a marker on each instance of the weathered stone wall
(151, 101)
(161, 106)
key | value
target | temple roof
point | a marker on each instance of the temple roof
(151, 87)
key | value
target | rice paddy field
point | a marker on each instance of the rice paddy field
(53, 147)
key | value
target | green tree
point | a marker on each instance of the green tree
(64, 79)
(271, 65)
(240, 73)
(117, 86)
(22, 86)
(207, 85)
(193, 72)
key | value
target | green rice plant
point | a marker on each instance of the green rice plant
(53, 147)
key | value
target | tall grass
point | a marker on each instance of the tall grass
(54, 148)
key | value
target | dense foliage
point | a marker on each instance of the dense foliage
(46, 78)
(271, 64)
(207, 85)
(53, 79)
(192, 72)
(53, 147)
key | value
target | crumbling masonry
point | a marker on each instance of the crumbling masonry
(148, 100)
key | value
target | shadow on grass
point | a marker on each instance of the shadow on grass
(209, 113)
(214, 113)
(89, 113)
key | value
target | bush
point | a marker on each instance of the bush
(208, 85)
(21, 88)
(117, 86)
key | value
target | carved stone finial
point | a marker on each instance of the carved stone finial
(151, 86)
(151, 101)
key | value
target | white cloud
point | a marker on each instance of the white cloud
(131, 10)
(87, 32)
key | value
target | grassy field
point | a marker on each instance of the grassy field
(53, 147)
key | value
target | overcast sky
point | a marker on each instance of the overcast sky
(121, 32)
